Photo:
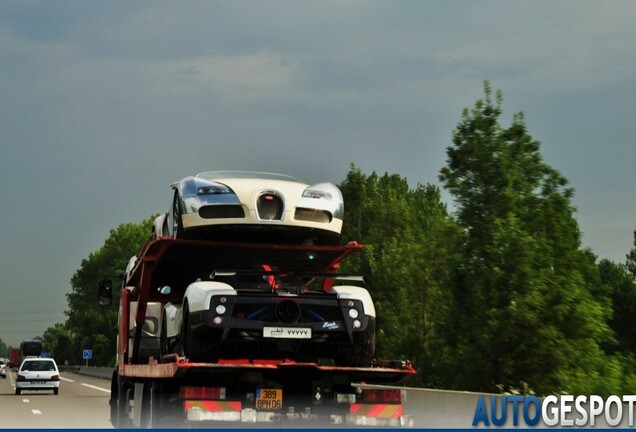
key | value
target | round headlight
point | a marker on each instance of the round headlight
(217, 320)
(220, 309)
(357, 324)
(353, 313)
(350, 303)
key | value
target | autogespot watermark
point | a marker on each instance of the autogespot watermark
(564, 410)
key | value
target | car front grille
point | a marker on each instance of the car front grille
(221, 211)
(312, 215)
(269, 207)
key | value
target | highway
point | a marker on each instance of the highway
(82, 402)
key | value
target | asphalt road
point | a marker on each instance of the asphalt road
(82, 402)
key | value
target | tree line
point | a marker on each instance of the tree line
(497, 295)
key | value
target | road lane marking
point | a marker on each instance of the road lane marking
(66, 379)
(36, 412)
(26, 400)
(96, 388)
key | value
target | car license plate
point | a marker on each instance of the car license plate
(38, 382)
(269, 399)
(287, 332)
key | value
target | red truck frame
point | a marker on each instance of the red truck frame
(153, 390)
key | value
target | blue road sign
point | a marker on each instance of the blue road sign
(87, 354)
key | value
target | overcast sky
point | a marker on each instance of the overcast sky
(104, 103)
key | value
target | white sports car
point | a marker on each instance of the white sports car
(254, 207)
(222, 302)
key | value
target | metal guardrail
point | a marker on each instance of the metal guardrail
(97, 372)
(429, 408)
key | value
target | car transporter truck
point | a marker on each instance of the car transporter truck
(158, 383)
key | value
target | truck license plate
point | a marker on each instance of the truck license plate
(269, 399)
(287, 332)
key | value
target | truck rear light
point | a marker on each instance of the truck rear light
(374, 395)
(203, 393)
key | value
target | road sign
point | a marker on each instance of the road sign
(87, 354)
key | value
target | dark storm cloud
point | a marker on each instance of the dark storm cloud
(104, 104)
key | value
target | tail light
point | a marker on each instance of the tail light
(382, 396)
(203, 393)
(55, 378)
(21, 377)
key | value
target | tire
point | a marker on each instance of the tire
(114, 400)
(158, 410)
(194, 349)
(177, 222)
(18, 391)
(164, 347)
(362, 353)
(119, 404)
(355, 359)
(147, 417)
(56, 391)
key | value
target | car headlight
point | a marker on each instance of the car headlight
(317, 194)
(214, 189)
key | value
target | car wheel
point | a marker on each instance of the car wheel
(193, 348)
(114, 400)
(165, 346)
(18, 391)
(363, 351)
(56, 391)
(355, 359)
(177, 222)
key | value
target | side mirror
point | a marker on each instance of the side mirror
(105, 292)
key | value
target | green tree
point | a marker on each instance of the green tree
(619, 282)
(4, 349)
(528, 311)
(58, 340)
(631, 259)
(88, 326)
(408, 240)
